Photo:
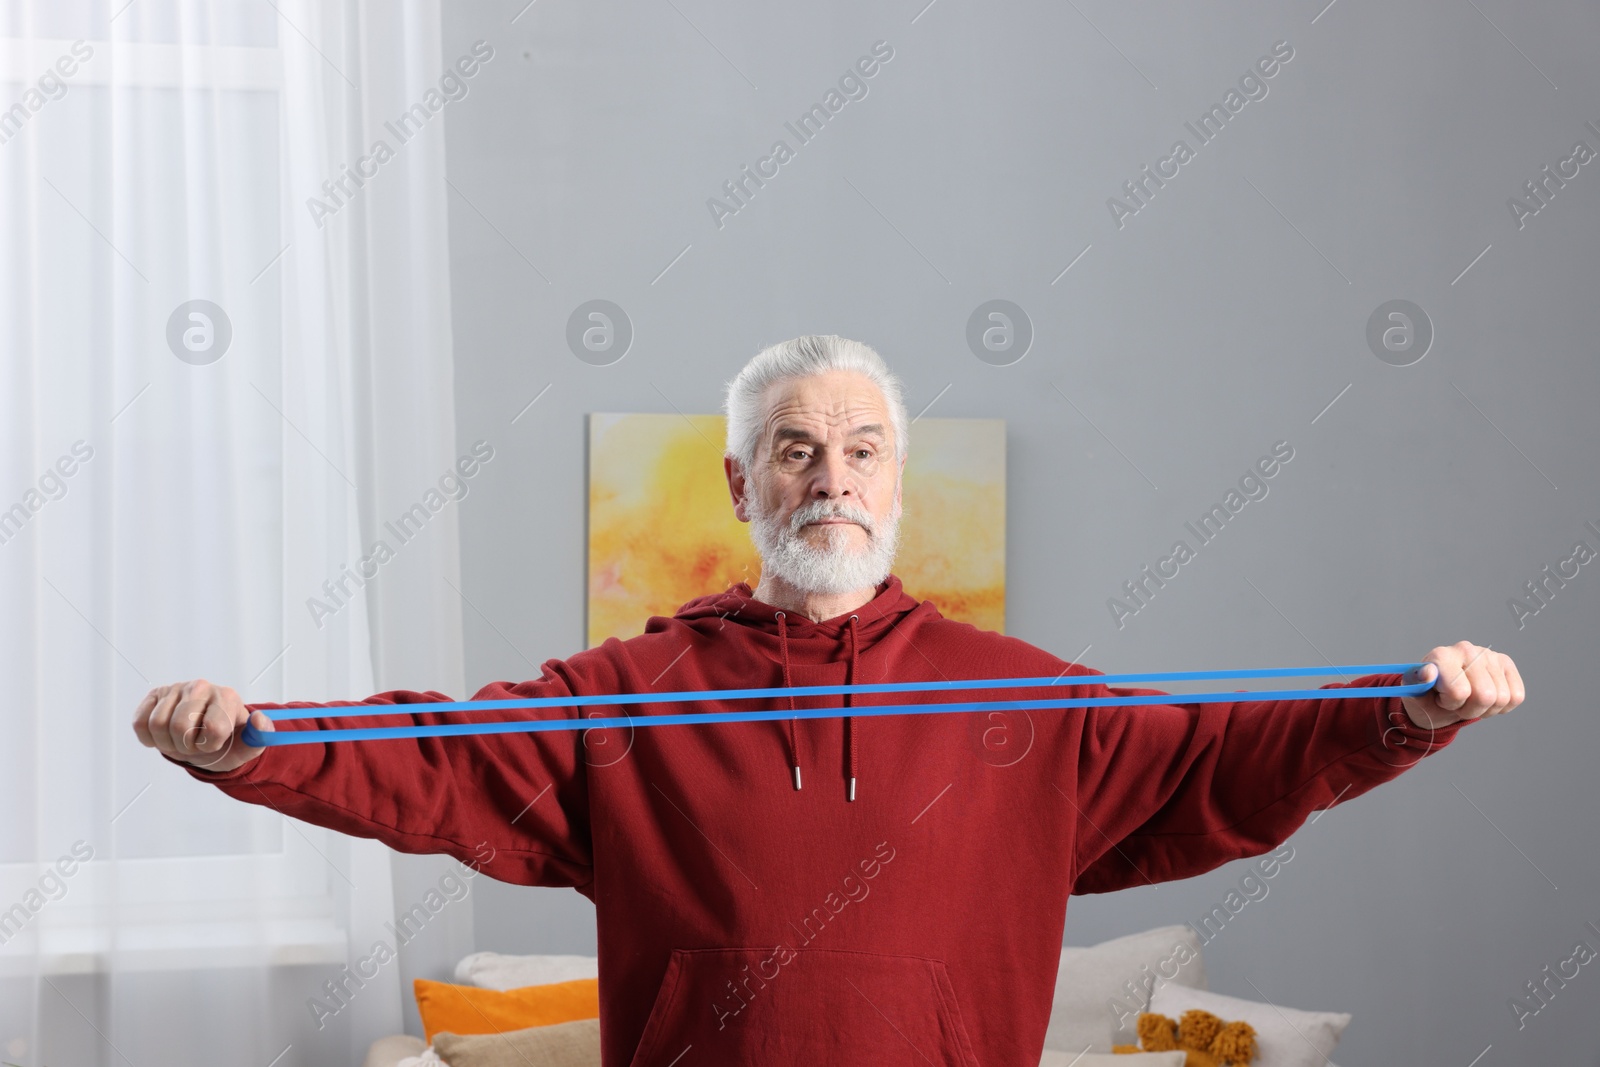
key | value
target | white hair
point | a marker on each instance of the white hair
(799, 358)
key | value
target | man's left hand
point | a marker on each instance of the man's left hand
(1474, 682)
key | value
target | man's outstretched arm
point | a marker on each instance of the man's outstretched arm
(1173, 791)
(519, 799)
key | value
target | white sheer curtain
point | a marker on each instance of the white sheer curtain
(178, 480)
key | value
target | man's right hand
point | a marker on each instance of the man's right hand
(198, 723)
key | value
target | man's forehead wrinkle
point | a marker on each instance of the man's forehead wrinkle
(834, 411)
(790, 416)
(850, 423)
(820, 410)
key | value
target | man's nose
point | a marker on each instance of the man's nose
(833, 479)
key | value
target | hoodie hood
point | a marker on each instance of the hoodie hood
(848, 637)
(877, 616)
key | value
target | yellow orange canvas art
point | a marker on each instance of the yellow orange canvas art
(662, 529)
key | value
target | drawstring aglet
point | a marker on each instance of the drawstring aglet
(852, 795)
(797, 777)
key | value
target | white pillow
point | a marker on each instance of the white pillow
(491, 970)
(429, 1058)
(1092, 1007)
(394, 1051)
(1052, 1058)
(1285, 1037)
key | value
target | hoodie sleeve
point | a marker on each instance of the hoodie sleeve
(1172, 791)
(514, 806)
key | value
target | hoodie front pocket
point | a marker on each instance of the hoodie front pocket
(779, 1006)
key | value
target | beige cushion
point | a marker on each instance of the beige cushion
(1106, 1059)
(494, 970)
(1091, 999)
(1285, 1037)
(389, 1051)
(575, 1044)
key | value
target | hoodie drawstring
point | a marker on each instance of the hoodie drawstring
(792, 735)
(794, 744)
(850, 723)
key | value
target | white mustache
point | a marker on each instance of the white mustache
(817, 510)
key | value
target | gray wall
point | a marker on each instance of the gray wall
(1223, 316)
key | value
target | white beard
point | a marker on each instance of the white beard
(834, 567)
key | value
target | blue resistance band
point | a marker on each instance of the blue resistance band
(258, 739)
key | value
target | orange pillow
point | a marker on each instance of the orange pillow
(462, 1009)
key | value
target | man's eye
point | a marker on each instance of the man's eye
(797, 452)
(864, 453)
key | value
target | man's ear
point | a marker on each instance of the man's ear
(737, 486)
(899, 481)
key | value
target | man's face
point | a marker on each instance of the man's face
(824, 495)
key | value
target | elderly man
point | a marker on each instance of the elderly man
(832, 891)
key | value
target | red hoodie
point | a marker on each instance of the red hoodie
(742, 921)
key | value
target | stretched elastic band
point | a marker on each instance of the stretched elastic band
(257, 738)
(346, 711)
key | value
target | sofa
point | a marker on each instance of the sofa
(1100, 992)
